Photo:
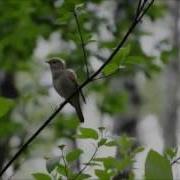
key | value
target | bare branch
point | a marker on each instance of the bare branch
(145, 5)
(87, 81)
(138, 8)
(176, 161)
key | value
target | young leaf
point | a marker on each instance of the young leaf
(102, 175)
(41, 176)
(138, 150)
(157, 167)
(73, 155)
(111, 143)
(51, 164)
(5, 105)
(124, 163)
(86, 133)
(110, 68)
(61, 170)
(170, 153)
(110, 162)
(121, 56)
(102, 142)
(125, 144)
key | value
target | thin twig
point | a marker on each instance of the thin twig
(65, 165)
(106, 76)
(142, 5)
(82, 42)
(87, 81)
(92, 157)
(139, 7)
(175, 161)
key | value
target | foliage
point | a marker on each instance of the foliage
(5, 105)
(103, 167)
(22, 24)
(157, 167)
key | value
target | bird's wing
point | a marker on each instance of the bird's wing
(72, 75)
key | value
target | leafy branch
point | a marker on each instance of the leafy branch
(65, 165)
(87, 164)
(143, 9)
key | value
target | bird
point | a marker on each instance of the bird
(65, 84)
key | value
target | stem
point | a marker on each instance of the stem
(80, 172)
(175, 161)
(65, 165)
(82, 42)
(139, 7)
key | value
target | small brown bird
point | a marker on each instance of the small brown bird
(65, 83)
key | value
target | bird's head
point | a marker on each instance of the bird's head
(56, 63)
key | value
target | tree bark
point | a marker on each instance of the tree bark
(172, 83)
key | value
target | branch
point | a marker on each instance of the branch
(140, 8)
(87, 81)
(80, 172)
(175, 161)
(82, 42)
(65, 165)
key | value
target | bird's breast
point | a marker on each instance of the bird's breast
(64, 86)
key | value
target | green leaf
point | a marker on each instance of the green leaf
(166, 55)
(9, 127)
(157, 167)
(135, 60)
(88, 133)
(138, 150)
(170, 153)
(102, 175)
(5, 106)
(102, 142)
(73, 155)
(83, 176)
(125, 144)
(121, 56)
(111, 143)
(41, 176)
(115, 103)
(157, 11)
(124, 163)
(61, 170)
(110, 68)
(51, 164)
(108, 162)
(118, 60)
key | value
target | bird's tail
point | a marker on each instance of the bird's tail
(79, 113)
